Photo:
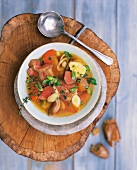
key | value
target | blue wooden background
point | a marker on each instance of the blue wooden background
(115, 21)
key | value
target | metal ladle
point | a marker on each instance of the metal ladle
(51, 24)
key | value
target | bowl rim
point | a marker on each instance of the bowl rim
(31, 108)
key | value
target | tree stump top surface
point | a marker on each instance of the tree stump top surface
(20, 36)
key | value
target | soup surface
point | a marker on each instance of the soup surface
(59, 83)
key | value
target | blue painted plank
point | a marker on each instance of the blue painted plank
(63, 7)
(99, 16)
(11, 8)
(61, 165)
(126, 150)
(10, 160)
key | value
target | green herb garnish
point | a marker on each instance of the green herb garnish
(40, 59)
(69, 103)
(73, 89)
(28, 81)
(25, 100)
(87, 68)
(62, 91)
(20, 111)
(39, 87)
(31, 77)
(58, 83)
(49, 77)
(46, 82)
(68, 55)
(54, 80)
(86, 87)
(84, 75)
(51, 81)
(89, 91)
(78, 80)
(64, 96)
(92, 81)
(73, 75)
(50, 58)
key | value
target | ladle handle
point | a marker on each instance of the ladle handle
(107, 60)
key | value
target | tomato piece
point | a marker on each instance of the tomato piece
(49, 56)
(31, 72)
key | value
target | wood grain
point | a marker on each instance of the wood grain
(30, 142)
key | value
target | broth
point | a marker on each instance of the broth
(64, 78)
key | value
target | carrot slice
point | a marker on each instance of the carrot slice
(84, 96)
(49, 56)
(82, 84)
(81, 87)
(33, 98)
(70, 107)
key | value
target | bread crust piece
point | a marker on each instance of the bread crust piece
(111, 131)
(99, 150)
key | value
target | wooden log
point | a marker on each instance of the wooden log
(20, 36)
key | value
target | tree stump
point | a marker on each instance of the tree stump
(19, 37)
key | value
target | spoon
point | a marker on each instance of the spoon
(51, 24)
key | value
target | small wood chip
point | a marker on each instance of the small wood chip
(111, 131)
(99, 150)
(96, 131)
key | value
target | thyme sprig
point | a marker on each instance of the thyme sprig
(25, 100)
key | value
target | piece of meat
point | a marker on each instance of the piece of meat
(111, 131)
(54, 108)
(43, 71)
(47, 91)
(34, 64)
(31, 72)
(68, 77)
(61, 89)
(100, 151)
(66, 96)
(68, 86)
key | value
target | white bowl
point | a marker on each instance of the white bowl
(30, 107)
